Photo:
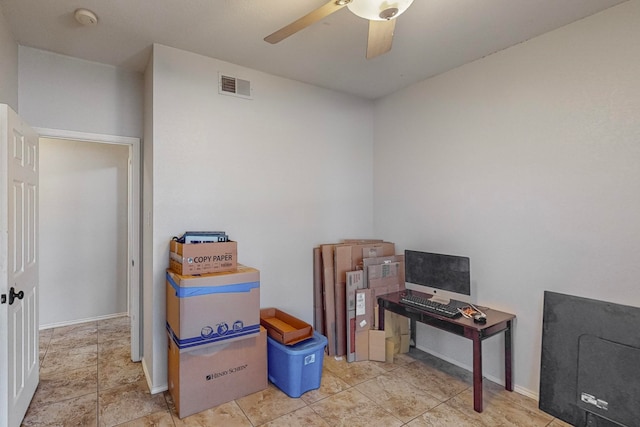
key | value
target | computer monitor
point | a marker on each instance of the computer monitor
(444, 276)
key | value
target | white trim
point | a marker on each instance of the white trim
(85, 136)
(77, 322)
(134, 204)
(516, 388)
(152, 390)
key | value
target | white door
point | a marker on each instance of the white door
(19, 353)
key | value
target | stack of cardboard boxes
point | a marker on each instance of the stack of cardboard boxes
(348, 278)
(217, 348)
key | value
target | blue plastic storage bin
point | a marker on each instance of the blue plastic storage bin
(296, 369)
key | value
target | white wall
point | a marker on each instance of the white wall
(61, 92)
(281, 173)
(8, 66)
(528, 162)
(149, 328)
(83, 230)
(65, 93)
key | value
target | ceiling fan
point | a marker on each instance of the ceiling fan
(381, 14)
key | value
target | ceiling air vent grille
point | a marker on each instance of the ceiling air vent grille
(235, 87)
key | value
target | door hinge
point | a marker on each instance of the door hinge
(3, 299)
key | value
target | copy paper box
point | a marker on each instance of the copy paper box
(203, 258)
(213, 308)
(209, 376)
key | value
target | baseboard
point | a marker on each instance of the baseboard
(152, 390)
(516, 388)
(77, 322)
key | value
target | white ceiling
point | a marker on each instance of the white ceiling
(431, 37)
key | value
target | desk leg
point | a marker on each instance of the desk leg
(414, 341)
(380, 318)
(508, 382)
(477, 373)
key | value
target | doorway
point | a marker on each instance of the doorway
(96, 204)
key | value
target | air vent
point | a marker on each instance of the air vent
(235, 87)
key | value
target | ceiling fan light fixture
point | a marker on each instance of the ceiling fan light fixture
(379, 10)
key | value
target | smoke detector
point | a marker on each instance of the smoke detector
(85, 17)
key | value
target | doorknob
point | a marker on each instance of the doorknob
(13, 295)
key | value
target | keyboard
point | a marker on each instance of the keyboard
(445, 310)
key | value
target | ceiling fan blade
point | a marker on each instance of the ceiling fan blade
(380, 37)
(305, 21)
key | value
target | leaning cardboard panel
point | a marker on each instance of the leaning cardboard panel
(348, 257)
(214, 307)
(383, 274)
(363, 323)
(354, 282)
(212, 375)
(318, 300)
(366, 262)
(329, 298)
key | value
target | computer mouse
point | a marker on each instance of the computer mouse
(480, 318)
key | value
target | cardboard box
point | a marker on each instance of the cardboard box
(283, 327)
(377, 346)
(214, 307)
(209, 376)
(391, 349)
(395, 324)
(203, 258)
(362, 345)
(405, 343)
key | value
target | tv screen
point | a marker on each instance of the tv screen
(590, 362)
(438, 271)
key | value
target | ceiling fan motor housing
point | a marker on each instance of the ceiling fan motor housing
(378, 10)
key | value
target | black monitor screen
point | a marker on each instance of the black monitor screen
(438, 271)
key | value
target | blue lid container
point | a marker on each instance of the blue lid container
(296, 369)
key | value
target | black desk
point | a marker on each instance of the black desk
(497, 322)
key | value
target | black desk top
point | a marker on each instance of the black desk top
(392, 302)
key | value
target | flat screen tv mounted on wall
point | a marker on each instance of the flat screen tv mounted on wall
(590, 367)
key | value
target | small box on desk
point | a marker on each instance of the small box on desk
(202, 258)
(296, 369)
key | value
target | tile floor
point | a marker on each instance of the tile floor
(87, 379)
